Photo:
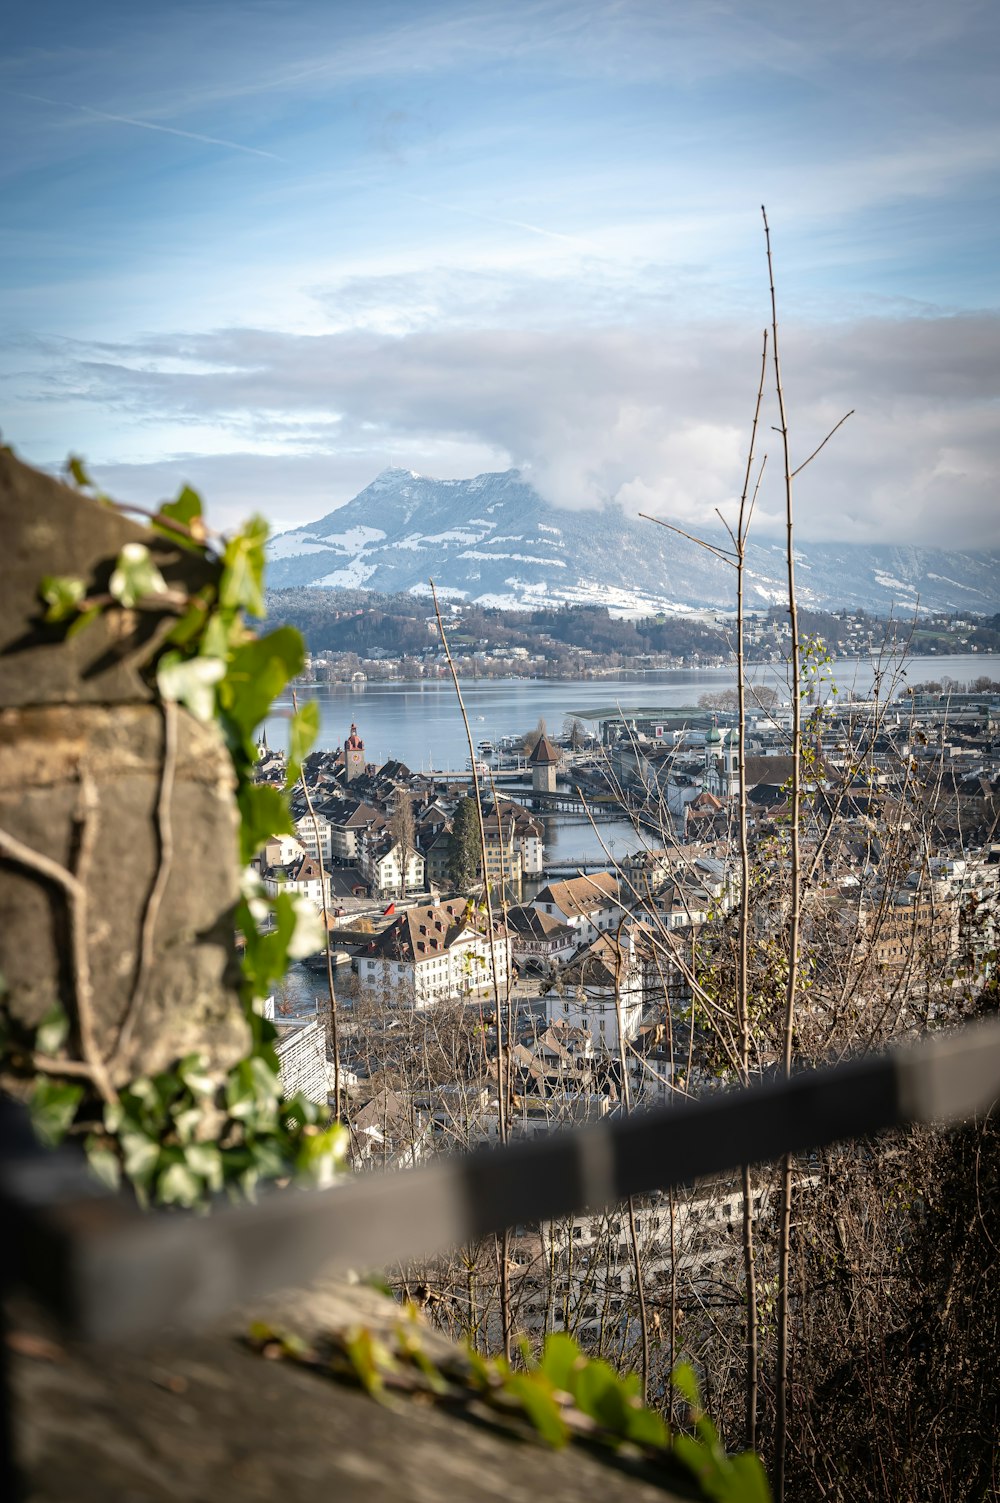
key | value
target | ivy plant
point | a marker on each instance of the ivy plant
(182, 1136)
(562, 1396)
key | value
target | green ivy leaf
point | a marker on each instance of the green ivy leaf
(192, 1070)
(536, 1399)
(135, 576)
(77, 471)
(561, 1361)
(52, 1107)
(321, 1155)
(258, 672)
(243, 560)
(302, 732)
(686, 1384)
(53, 1031)
(186, 508)
(62, 594)
(190, 682)
(83, 620)
(140, 1154)
(263, 812)
(178, 1185)
(104, 1162)
(599, 1392)
(205, 1159)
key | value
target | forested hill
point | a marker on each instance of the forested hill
(365, 622)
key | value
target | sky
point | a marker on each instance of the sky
(271, 248)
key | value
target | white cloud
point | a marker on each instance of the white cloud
(657, 419)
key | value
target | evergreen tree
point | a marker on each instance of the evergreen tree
(463, 861)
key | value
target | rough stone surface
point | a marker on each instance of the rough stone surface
(77, 728)
(48, 756)
(205, 1419)
(48, 528)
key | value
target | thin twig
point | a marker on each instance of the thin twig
(165, 837)
(823, 444)
(502, 1088)
(334, 1036)
(794, 920)
(722, 553)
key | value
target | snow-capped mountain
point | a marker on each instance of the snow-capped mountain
(493, 539)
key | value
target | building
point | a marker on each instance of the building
(590, 905)
(302, 877)
(538, 939)
(381, 862)
(354, 756)
(431, 954)
(543, 762)
(602, 991)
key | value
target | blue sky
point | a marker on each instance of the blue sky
(272, 248)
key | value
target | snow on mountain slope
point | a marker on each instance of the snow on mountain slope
(493, 539)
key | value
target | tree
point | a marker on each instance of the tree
(463, 860)
(402, 830)
(575, 731)
(532, 738)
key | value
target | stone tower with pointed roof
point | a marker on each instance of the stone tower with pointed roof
(354, 755)
(543, 763)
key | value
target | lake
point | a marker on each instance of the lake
(419, 722)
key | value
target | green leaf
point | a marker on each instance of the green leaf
(206, 1160)
(192, 1070)
(598, 1392)
(369, 1359)
(83, 620)
(535, 1397)
(321, 1154)
(188, 626)
(141, 1155)
(62, 594)
(104, 1162)
(77, 471)
(52, 1107)
(179, 1185)
(190, 682)
(263, 812)
(243, 560)
(135, 576)
(187, 510)
(749, 1481)
(258, 672)
(686, 1384)
(302, 732)
(645, 1427)
(561, 1361)
(187, 1122)
(52, 1031)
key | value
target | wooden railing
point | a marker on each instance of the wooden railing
(108, 1271)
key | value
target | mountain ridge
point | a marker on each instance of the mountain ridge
(492, 539)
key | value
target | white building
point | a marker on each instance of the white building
(590, 905)
(380, 862)
(301, 877)
(430, 954)
(602, 990)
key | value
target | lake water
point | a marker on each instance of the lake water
(420, 724)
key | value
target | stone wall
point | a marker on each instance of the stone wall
(82, 743)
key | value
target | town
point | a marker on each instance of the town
(478, 994)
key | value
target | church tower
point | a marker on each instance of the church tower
(354, 756)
